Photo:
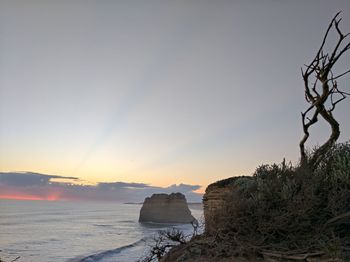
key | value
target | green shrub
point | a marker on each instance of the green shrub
(286, 207)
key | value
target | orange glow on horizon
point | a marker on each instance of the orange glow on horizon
(30, 197)
(200, 190)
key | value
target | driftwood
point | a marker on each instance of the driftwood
(342, 218)
(288, 256)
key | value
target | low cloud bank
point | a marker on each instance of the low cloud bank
(28, 185)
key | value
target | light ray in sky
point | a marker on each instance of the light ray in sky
(168, 52)
(159, 92)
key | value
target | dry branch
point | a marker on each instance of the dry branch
(320, 71)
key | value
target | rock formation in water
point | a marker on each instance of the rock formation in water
(164, 208)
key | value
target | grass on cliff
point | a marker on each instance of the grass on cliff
(288, 209)
(285, 212)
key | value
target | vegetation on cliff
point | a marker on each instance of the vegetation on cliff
(285, 212)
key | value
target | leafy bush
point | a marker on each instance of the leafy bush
(282, 211)
(288, 207)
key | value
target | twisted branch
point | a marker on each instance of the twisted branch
(320, 69)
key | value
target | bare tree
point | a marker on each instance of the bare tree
(163, 242)
(322, 91)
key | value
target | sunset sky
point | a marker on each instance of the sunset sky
(157, 92)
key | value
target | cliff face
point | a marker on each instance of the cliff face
(217, 196)
(164, 208)
(216, 199)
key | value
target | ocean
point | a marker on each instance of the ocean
(54, 231)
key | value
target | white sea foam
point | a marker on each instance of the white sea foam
(41, 231)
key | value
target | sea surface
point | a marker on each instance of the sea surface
(45, 231)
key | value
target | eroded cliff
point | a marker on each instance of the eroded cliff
(217, 197)
(164, 208)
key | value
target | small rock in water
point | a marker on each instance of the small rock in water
(164, 208)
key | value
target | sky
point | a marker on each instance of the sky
(36, 186)
(156, 92)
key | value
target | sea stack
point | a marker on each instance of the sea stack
(164, 208)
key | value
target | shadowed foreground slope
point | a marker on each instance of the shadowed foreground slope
(282, 213)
